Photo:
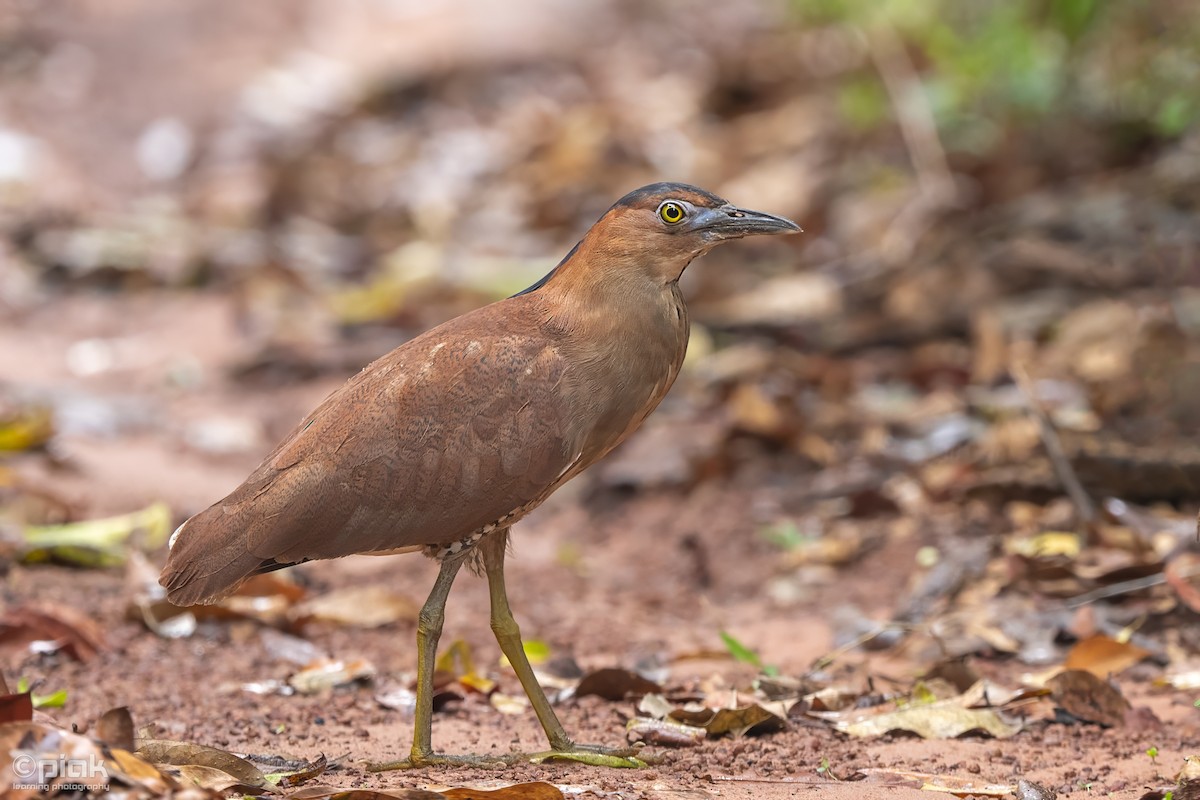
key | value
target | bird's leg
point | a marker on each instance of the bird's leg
(508, 635)
(429, 630)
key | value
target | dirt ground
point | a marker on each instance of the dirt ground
(656, 575)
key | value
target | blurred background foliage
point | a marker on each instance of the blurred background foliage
(990, 65)
(979, 182)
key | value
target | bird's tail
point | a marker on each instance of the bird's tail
(208, 559)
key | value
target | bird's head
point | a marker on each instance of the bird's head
(657, 230)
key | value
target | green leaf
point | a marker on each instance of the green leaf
(53, 700)
(98, 542)
(785, 535)
(740, 651)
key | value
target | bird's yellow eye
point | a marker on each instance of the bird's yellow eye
(671, 213)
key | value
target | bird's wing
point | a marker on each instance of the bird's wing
(440, 437)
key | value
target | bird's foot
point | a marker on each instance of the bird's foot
(594, 754)
(418, 760)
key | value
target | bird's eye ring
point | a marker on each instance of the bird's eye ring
(671, 213)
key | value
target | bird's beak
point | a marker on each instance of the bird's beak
(729, 222)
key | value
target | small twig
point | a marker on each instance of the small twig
(914, 115)
(833, 655)
(775, 781)
(1115, 590)
(1053, 444)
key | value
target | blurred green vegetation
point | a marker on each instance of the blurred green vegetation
(987, 65)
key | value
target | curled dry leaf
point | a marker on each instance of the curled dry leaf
(148, 601)
(265, 598)
(513, 705)
(209, 778)
(286, 772)
(183, 754)
(71, 632)
(328, 673)
(458, 663)
(1089, 698)
(753, 718)
(615, 684)
(398, 698)
(683, 723)
(115, 728)
(537, 790)
(655, 705)
(1028, 790)
(985, 694)
(927, 781)
(293, 649)
(44, 741)
(358, 606)
(1183, 575)
(1103, 656)
(16, 707)
(25, 426)
(945, 719)
(664, 732)
(330, 793)
(134, 771)
(1191, 769)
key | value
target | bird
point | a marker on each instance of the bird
(443, 444)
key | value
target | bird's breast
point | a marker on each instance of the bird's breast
(621, 369)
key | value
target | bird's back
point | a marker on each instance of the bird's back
(439, 438)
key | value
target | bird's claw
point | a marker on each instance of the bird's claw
(595, 755)
(416, 761)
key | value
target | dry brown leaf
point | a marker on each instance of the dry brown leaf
(945, 719)
(16, 707)
(135, 771)
(266, 598)
(509, 704)
(1183, 575)
(148, 602)
(735, 721)
(1103, 656)
(985, 694)
(1028, 790)
(664, 732)
(115, 728)
(75, 634)
(753, 410)
(370, 606)
(946, 784)
(330, 793)
(1191, 769)
(301, 773)
(958, 672)
(54, 743)
(537, 790)
(328, 673)
(1089, 698)
(615, 684)
(164, 751)
(209, 778)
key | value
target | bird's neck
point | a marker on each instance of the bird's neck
(625, 342)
